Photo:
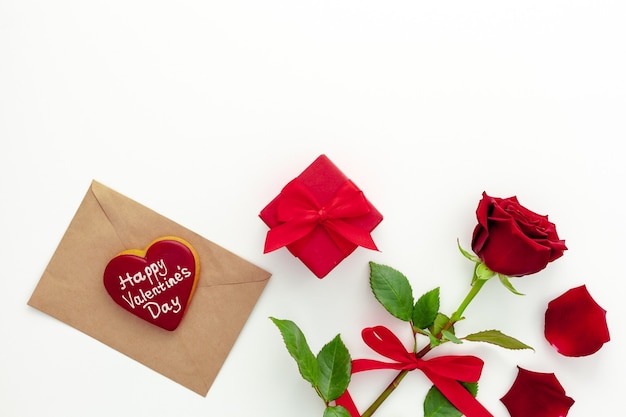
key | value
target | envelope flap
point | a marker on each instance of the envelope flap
(219, 266)
(133, 223)
(130, 219)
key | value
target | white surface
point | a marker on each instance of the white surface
(203, 110)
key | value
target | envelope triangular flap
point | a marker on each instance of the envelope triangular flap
(71, 290)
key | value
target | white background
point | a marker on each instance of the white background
(203, 110)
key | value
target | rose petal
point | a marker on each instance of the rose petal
(509, 252)
(512, 240)
(575, 325)
(536, 394)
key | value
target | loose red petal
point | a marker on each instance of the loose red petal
(536, 394)
(575, 325)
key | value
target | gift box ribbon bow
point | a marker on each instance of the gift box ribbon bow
(445, 372)
(299, 213)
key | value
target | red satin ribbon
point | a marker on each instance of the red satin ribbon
(445, 372)
(299, 213)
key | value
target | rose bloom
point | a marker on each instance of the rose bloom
(536, 394)
(512, 240)
(575, 325)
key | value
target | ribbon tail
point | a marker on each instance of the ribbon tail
(346, 401)
(286, 233)
(341, 231)
(458, 396)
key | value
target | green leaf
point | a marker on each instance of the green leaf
(298, 349)
(426, 309)
(334, 368)
(472, 387)
(451, 337)
(336, 411)
(505, 281)
(496, 337)
(436, 405)
(393, 290)
(433, 341)
(465, 253)
(440, 321)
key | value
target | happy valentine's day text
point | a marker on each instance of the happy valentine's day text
(156, 273)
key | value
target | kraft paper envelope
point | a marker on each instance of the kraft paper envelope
(71, 290)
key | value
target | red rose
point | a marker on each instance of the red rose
(536, 394)
(512, 240)
(575, 325)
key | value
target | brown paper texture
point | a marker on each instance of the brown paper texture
(71, 290)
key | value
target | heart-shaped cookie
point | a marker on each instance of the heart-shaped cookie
(155, 284)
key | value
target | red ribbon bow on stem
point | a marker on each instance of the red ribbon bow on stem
(445, 372)
(300, 213)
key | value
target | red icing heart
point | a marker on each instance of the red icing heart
(155, 284)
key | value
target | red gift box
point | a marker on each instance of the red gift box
(321, 217)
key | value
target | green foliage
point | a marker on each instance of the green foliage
(448, 335)
(482, 272)
(440, 321)
(433, 340)
(436, 405)
(507, 283)
(496, 337)
(298, 348)
(336, 411)
(393, 290)
(426, 309)
(466, 254)
(334, 368)
(329, 372)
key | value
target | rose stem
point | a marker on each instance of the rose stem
(456, 316)
(386, 393)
